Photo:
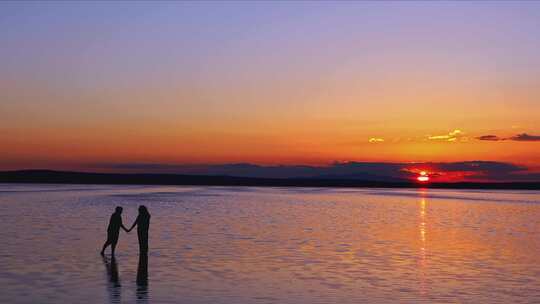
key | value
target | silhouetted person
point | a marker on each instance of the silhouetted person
(142, 279)
(113, 231)
(114, 280)
(143, 224)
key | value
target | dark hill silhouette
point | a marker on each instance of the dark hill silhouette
(63, 177)
(369, 171)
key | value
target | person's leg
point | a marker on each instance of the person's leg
(143, 242)
(113, 237)
(107, 243)
(113, 247)
(140, 243)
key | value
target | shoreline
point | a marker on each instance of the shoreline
(67, 177)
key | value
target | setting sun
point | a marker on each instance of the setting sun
(423, 177)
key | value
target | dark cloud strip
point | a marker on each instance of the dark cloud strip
(373, 171)
(489, 137)
(525, 137)
(518, 137)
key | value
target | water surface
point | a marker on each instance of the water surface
(271, 245)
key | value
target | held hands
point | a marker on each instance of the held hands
(132, 226)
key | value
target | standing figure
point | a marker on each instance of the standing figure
(143, 224)
(113, 231)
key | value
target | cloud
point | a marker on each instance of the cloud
(525, 137)
(490, 137)
(480, 166)
(373, 171)
(376, 140)
(452, 136)
(518, 137)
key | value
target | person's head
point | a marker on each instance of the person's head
(142, 209)
(118, 210)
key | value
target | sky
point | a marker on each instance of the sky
(103, 85)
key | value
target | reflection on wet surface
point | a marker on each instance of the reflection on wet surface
(270, 245)
(142, 279)
(115, 293)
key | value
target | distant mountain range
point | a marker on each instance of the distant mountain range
(363, 180)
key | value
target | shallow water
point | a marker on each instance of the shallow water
(271, 245)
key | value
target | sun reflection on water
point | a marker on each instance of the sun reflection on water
(422, 261)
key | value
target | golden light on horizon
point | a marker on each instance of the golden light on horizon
(423, 177)
(191, 106)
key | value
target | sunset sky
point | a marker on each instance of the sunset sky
(268, 83)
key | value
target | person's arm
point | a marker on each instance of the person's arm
(135, 223)
(123, 227)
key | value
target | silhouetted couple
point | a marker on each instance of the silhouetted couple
(113, 231)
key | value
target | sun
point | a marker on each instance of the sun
(423, 177)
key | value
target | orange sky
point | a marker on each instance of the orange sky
(313, 89)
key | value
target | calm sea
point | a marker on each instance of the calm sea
(271, 245)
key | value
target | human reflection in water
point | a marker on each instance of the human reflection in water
(143, 224)
(113, 286)
(142, 279)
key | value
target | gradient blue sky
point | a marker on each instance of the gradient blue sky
(267, 82)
